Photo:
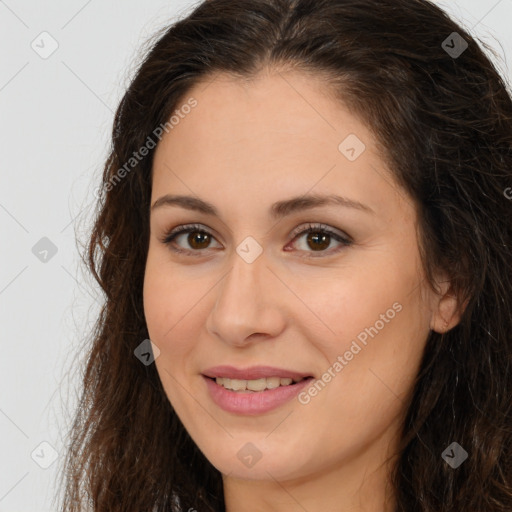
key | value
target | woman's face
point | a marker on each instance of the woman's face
(257, 290)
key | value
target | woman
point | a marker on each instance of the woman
(304, 241)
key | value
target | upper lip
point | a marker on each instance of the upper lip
(252, 373)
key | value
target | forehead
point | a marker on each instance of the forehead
(275, 116)
(280, 132)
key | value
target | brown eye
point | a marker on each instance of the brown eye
(198, 239)
(317, 241)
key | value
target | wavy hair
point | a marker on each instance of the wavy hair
(443, 123)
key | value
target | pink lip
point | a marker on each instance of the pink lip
(252, 373)
(253, 403)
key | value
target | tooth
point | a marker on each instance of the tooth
(273, 382)
(257, 385)
(238, 385)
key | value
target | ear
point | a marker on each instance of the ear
(446, 313)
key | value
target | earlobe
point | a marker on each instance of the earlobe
(446, 313)
(446, 316)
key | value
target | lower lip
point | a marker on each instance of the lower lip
(253, 403)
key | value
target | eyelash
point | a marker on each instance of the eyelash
(311, 228)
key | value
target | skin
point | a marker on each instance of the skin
(243, 147)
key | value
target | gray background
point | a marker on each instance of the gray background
(56, 117)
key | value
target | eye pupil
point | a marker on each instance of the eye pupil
(195, 235)
(316, 237)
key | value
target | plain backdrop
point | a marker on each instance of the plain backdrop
(65, 66)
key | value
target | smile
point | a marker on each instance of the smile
(253, 401)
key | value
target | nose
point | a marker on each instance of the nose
(248, 305)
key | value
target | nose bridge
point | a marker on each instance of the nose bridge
(243, 304)
(243, 287)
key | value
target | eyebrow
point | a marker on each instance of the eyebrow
(277, 210)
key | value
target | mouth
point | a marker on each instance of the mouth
(256, 395)
(254, 390)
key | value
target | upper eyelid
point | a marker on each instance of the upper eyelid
(184, 228)
(321, 227)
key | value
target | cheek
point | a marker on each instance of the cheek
(370, 363)
(342, 306)
(174, 309)
(375, 320)
(165, 301)
(168, 306)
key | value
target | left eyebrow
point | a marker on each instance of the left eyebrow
(309, 201)
(277, 210)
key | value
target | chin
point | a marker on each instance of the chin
(251, 463)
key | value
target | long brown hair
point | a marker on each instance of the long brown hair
(443, 118)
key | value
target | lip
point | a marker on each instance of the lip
(252, 373)
(254, 403)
